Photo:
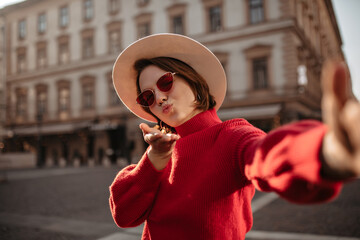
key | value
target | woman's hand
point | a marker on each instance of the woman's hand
(161, 145)
(341, 111)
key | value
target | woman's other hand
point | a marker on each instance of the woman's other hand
(161, 145)
(341, 112)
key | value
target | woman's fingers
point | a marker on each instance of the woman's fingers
(336, 92)
(147, 129)
(161, 138)
(169, 137)
(341, 111)
(154, 137)
(350, 119)
(151, 137)
(336, 82)
(340, 84)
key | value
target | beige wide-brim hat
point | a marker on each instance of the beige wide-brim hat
(176, 46)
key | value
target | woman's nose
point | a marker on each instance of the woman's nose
(160, 96)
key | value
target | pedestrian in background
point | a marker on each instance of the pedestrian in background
(199, 174)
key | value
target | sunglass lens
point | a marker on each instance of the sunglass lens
(146, 98)
(165, 82)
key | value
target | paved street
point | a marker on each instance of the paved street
(72, 203)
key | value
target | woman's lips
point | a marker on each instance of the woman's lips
(166, 108)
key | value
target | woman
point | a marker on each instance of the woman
(196, 180)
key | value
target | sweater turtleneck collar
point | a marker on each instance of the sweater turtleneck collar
(198, 122)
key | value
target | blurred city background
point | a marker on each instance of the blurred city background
(64, 133)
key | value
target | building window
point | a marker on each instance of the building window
(42, 23)
(256, 9)
(21, 60)
(143, 23)
(41, 103)
(114, 42)
(259, 62)
(114, 100)
(64, 51)
(177, 19)
(88, 45)
(22, 29)
(178, 25)
(114, 6)
(41, 60)
(142, 3)
(21, 103)
(215, 18)
(21, 63)
(143, 30)
(260, 73)
(223, 58)
(88, 96)
(88, 92)
(114, 37)
(64, 16)
(88, 10)
(41, 99)
(64, 99)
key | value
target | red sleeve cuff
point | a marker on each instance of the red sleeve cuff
(305, 149)
(147, 170)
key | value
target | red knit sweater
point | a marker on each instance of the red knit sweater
(206, 189)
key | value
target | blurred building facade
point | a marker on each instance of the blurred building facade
(2, 86)
(57, 97)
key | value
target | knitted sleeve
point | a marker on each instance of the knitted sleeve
(287, 161)
(132, 193)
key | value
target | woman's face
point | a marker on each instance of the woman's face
(173, 107)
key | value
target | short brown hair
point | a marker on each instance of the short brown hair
(198, 85)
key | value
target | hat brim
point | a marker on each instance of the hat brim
(176, 46)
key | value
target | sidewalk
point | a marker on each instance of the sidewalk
(35, 173)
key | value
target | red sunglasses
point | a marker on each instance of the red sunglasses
(147, 97)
